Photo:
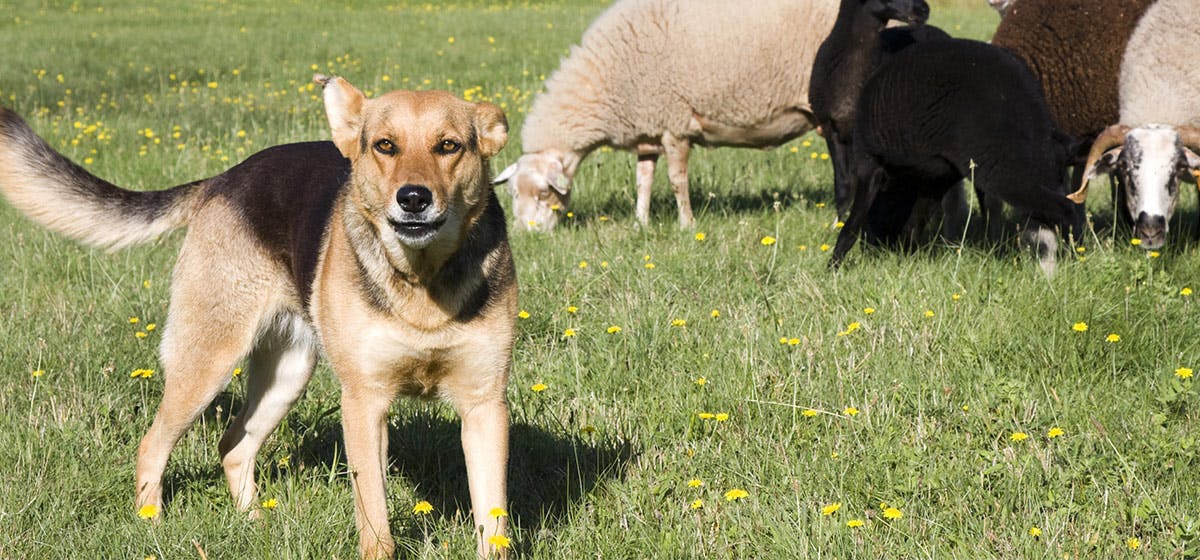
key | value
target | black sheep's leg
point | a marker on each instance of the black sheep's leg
(869, 178)
(839, 154)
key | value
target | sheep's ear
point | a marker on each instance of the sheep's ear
(505, 175)
(343, 106)
(491, 127)
(559, 180)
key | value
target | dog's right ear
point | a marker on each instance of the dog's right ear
(343, 106)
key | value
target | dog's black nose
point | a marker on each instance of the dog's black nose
(414, 198)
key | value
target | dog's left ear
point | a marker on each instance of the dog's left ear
(343, 106)
(491, 128)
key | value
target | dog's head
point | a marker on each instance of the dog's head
(418, 159)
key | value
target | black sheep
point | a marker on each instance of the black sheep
(941, 111)
(854, 48)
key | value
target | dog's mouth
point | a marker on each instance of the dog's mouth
(416, 230)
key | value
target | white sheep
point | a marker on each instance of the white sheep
(1157, 141)
(659, 76)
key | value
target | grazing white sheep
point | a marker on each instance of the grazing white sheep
(659, 76)
(1157, 141)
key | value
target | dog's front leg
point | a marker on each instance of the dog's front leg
(485, 447)
(364, 423)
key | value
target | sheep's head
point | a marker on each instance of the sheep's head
(541, 189)
(908, 11)
(1150, 160)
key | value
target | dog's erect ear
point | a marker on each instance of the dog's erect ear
(343, 106)
(491, 127)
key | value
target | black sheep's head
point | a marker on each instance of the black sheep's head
(909, 11)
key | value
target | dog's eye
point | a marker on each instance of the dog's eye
(385, 147)
(448, 147)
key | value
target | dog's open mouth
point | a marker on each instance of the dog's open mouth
(415, 230)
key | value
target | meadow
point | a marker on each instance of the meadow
(712, 393)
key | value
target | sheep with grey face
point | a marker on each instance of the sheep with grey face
(658, 76)
(1157, 140)
(941, 111)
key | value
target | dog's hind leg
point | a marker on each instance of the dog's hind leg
(279, 368)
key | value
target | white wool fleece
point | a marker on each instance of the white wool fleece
(1160, 80)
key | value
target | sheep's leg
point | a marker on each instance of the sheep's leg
(868, 181)
(677, 150)
(839, 154)
(645, 180)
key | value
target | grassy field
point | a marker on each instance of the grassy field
(950, 403)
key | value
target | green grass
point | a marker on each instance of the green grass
(966, 346)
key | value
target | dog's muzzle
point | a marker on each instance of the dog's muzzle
(417, 223)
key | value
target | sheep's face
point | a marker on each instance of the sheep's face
(1150, 163)
(908, 11)
(541, 190)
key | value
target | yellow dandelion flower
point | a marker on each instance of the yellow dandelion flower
(929, 313)
(850, 411)
(140, 334)
(793, 341)
(701, 381)
(1154, 254)
(783, 340)
(1079, 327)
(614, 329)
(148, 511)
(736, 494)
(271, 503)
(497, 513)
(892, 513)
(1185, 292)
(1133, 542)
(830, 509)
(722, 416)
(767, 240)
(500, 541)
(809, 412)
(714, 314)
(572, 309)
(679, 322)
(650, 266)
(151, 326)
(539, 387)
(583, 264)
(855, 523)
(1135, 242)
(1055, 432)
(523, 314)
(869, 310)
(1035, 532)
(37, 373)
(1113, 337)
(450, 40)
(423, 508)
(133, 320)
(237, 371)
(700, 236)
(825, 247)
(1018, 436)
(695, 483)
(706, 415)
(568, 333)
(1183, 372)
(145, 283)
(697, 504)
(284, 462)
(142, 373)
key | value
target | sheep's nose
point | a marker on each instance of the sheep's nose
(1151, 229)
(414, 198)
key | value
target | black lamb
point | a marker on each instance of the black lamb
(858, 43)
(941, 111)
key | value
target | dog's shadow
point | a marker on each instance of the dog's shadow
(548, 472)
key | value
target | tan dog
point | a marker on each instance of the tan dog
(386, 249)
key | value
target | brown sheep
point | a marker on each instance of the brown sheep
(1074, 47)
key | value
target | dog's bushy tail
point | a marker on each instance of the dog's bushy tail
(62, 196)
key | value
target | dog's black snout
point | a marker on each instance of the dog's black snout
(414, 198)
